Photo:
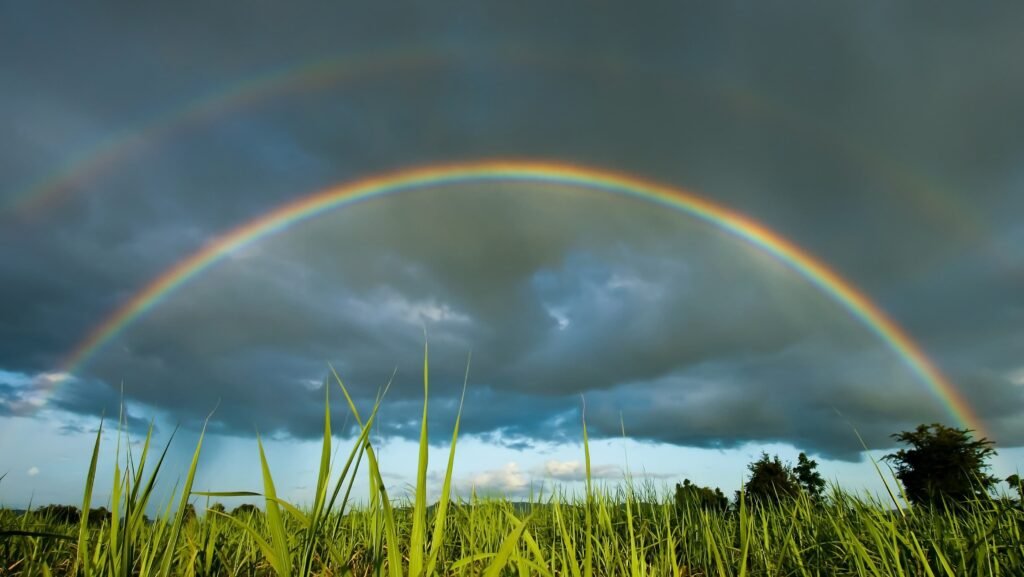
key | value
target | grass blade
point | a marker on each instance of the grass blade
(441, 513)
(278, 534)
(419, 512)
(588, 554)
(390, 531)
(186, 493)
(82, 561)
(508, 545)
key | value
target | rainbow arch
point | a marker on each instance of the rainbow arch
(337, 70)
(798, 260)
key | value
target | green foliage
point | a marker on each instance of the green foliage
(705, 498)
(943, 464)
(843, 535)
(771, 481)
(807, 475)
(1015, 483)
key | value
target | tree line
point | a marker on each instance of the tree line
(940, 466)
(71, 515)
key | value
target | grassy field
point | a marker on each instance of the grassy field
(624, 531)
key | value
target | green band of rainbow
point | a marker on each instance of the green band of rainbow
(818, 274)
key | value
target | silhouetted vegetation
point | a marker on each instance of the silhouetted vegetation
(943, 464)
(771, 481)
(70, 515)
(807, 475)
(691, 495)
(1015, 483)
(60, 514)
(246, 509)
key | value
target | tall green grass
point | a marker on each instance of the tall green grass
(629, 529)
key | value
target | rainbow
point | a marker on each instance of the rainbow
(818, 274)
(107, 155)
(112, 152)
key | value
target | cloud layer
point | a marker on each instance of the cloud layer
(844, 130)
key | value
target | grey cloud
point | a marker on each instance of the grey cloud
(841, 128)
(813, 397)
(97, 399)
(10, 397)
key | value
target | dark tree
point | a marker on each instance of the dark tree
(771, 480)
(246, 509)
(691, 495)
(942, 463)
(1015, 483)
(62, 514)
(98, 516)
(807, 474)
(217, 508)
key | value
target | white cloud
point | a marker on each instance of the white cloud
(52, 378)
(311, 384)
(507, 480)
(560, 316)
(576, 471)
(33, 471)
(1017, 377)
(31, 391)
(634, 284)
(391, 305)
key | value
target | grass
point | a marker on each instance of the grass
(624, 530)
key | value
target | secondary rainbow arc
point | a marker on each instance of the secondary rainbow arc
(337, 69)
(817, 273)
(108, 153)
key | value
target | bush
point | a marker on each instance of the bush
(691, 495)
(60, 514)
(943, 464)
(807, 475)
(771, 481)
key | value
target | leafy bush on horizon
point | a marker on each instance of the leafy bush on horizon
(943, 464)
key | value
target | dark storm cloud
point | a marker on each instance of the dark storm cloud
(881, 140)
(816, 397)
(95, 398)
(10, 396)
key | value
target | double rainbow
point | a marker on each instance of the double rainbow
(290, 214)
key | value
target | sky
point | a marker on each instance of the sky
(881, 141)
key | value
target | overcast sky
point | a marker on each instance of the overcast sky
(884, 140)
